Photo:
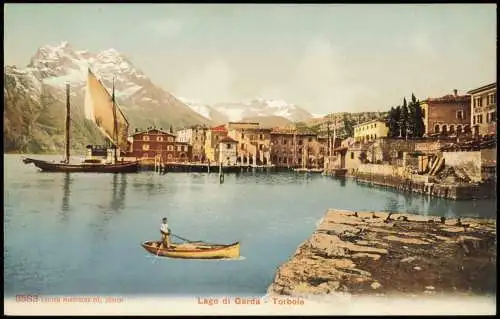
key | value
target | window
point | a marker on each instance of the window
(352, 155)
(493, 116)
(491, 99)
(242, 146)
(145, 147)
(170, 139)
(460, 115)
(179, 148)
(228, 146)
(261, 147)
(170, 148)
(261, 136)
(474, 119)
(480, 119)
(145, 138)
(487, 117)
(375, 125)
(242, 135)
(300, 142)
(159, 138)
(436, 128)
(478, 101)
(284, 142)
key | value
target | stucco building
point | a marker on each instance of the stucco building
(447, 115)
(194, 136)
(226, 151)
(254, 143)
(290, 148)
(212, 138)
(370, 131)
(484, 109)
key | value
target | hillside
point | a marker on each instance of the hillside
(35, 124)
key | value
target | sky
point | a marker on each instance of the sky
(324, 57)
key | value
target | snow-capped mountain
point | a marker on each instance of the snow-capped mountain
(255, 108)
(143, 102)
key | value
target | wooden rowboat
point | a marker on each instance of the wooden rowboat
(194, 250)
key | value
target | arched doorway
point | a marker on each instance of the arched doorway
(444, 130)
(238, 159)
(264, 162)
(245, 160)
(436, 128)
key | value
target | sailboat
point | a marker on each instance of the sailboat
(102, 109)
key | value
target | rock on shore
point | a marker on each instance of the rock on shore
(371, 253)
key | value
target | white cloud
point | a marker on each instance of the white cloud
(422, 44)
(211, 83)
(326, 82)
(165, 27)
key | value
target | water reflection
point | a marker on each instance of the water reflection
(119, 191)
(65, 203)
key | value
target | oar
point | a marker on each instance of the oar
(184, 239)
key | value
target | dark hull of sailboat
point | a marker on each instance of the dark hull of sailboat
(124, 167)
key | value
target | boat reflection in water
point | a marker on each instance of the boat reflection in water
(119, 191)
(65, 203)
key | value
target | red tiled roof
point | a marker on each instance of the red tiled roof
(227, 139)
(449, 98)
(153, 131)
(220, 128)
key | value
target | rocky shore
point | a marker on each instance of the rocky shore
(380, 253)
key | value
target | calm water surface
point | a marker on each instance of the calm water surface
(81, 233)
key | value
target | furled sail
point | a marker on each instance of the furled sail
(99, 108)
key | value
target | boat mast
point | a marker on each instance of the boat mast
(68, 120)
(115, 124)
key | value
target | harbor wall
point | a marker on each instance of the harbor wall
(424, 185)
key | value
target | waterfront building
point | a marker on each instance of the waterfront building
(254, 143)
(213, 136)
(183, 152)
(226, 151)
(370, 131)
(288, 147)
(447, 115)
(194, 136)
(151, 143)
(483, 106)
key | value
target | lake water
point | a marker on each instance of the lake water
(81, 233)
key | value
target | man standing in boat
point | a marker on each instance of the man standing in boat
(165, 233)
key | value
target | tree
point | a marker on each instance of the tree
(418, 128)
(393, 121)
(348, 126)
(404, 119)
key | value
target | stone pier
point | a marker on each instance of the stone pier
(378, 253)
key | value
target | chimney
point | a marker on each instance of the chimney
(455, 92)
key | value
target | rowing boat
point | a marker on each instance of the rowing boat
(194, 250)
